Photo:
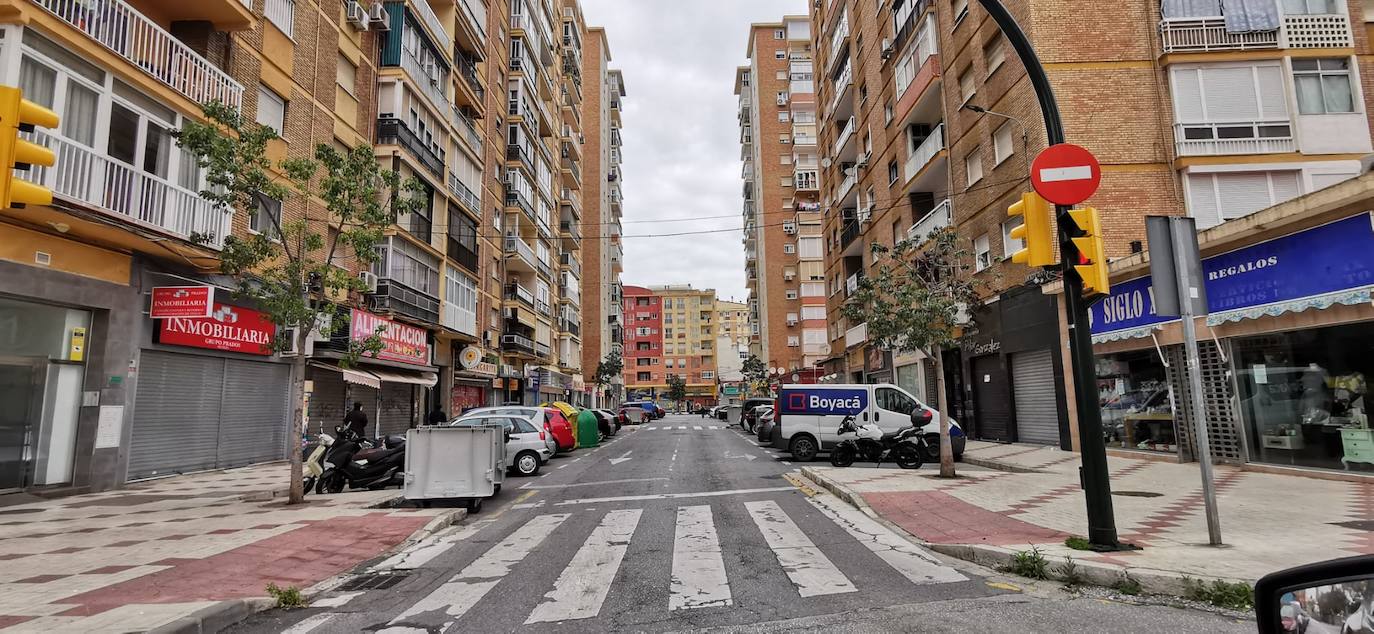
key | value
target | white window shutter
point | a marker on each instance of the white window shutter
(1287, 185)
(1229, 94)
(1202, 200)
(1187, 95)
(1243, 193)
(1273, 98)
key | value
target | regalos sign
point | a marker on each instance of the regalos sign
(228, 328)
(406, 344)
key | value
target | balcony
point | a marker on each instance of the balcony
(803, 139)
(132, 36)
(522, 344)
(569, 326)
(431, 74)
(934, 220)
(1234, 137)
(519, 256)
(570, 233)
(467, 69)
(925, 153)
(851, 284)
(570, 293)
(849, 232)
(467, 130)
(395, 297)
(570, 263)
(842, 104)
(392, 131)
(856, 335)
(464, 195)
(433, 26)
(521, 294)
(544, 269)
(1330, 30)
(543, 307)
(465, 257)
(113, 187)
(806, 180)
(472, 22)
(458, 319)
(519, 153)
(846, 187)
(516, 199)
(844, 150)
(840, 37)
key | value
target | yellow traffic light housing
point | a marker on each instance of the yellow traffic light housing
(1092, 261)
(1035, 231)
(21, 115)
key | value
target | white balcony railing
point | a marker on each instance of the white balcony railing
(926, 151)
(851, 284)
(94, 179)
(938, 218)
(846, 135)
(856, 335)
(430, 79)
(464, 321)
(841, 32)
(1331, 30)
(131, 35)
(1207, 139)
(476, 11)
(517, 246)
(803, 139)
(1209, 34)
(842, 86)
(806, 179)
(847, 185)
(432, 22)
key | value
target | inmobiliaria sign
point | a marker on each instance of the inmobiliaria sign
(400, 342)
(228, 328)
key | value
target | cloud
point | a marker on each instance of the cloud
(681, 134)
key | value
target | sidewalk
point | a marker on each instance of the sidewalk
(146, 556)
(1268, 521)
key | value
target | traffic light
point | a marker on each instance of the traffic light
(21, 115)
(1092, 253)
(1035, 231)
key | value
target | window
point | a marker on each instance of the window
(896, 232)
(973, 166)
(782, 75)
(791, 294)
(887, 112)
(1011, 245)
(863, 93)
(813, 312)
(1216, 198)
(892, 172)
(282, 13)
(1230, 103)
(789, 248)
(784, 116)
(262, 219)
(271, 110)
(966, 85)
(982, 253)
(894, 401)
(793, 342)
(994, 54)
(960, 11)
(810, 248)
(707, 374)
(813, 289)
(1002, 145)
(643, 376)
(1309, 7)
(779, 34)
(644, 360)
(1323, 85)
(784, 139)
(460, 292)
(785, 159)
(346, 74)
(779, 54)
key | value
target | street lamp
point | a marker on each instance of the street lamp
(981, 110)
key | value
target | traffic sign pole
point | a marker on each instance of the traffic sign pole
(1092, 447)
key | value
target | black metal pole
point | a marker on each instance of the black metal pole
(1093, 449)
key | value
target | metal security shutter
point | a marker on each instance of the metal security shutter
(329, 401)
(991, 402)
(1223, 428)
(1032, 384)
(396, 408)
(176, 414)
(369, 397)
(255, 413)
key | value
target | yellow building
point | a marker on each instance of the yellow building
(690, 327)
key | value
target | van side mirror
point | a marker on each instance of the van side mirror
(1338, 593)
(921, 417)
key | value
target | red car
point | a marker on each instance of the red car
(557, 425)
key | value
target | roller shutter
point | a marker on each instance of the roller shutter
(1032, 381)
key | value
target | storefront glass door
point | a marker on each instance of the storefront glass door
(18, 384)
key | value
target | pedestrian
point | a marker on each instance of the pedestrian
(438, 417)
(356, 421)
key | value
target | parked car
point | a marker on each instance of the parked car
(748, 417)
(809, 416)
(528, 446)
(658, 411)
(561, 428)
(636, 415)
(615, 420)
(559, 436)
(605, 422)
(763, 426)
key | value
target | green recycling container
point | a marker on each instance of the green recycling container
(588, 431)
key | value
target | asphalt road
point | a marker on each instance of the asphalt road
(685, 524)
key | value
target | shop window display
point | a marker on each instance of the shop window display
(1303, 397)
(1137, 407)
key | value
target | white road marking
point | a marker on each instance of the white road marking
(309, 624)
(623, 457)
(787, 463)
(1058, 174)
(696, 427)
(698, 579)
(713, 426)
(805, 565)
(466, 588)
(750, 456)
(591, 484)
(906, 558)
(673, 496)
(423, 552)
(582, 587)
(562, 466)
(337, 601)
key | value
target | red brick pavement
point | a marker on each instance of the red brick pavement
(941, 518)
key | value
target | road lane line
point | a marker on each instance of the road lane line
(423, 552)
(309, 624)
(698, 579)
(589, 484)
(582, 587)
(915, 564)
(672, 496)
(457, 595)
(696, 427)
(805, 565)
(562, 466)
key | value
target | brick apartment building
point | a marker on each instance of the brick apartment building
(1185, 116)
(644, 370)
(690, 326)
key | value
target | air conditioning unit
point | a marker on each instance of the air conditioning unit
(789, 229)
(380, 19)
(289, 335)
(789, 277)
(785, 140)
(356, 15)
(369, 280)
(887, 48)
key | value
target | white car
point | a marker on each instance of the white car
(534, 415)
(529, 446)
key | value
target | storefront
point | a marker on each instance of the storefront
(391, 385)
(472, 379)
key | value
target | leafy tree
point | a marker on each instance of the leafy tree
(292, 268)
(610, 367)
(913, 301)
(677, 389)
(755, 374)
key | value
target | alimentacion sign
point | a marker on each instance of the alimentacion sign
(402, 343)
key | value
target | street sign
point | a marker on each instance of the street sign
(171, 302)
(1065, 174)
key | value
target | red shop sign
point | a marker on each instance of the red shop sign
(228, 328)
(400, 342)
(182, 301)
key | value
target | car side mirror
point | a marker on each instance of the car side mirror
(506, 434)
(1338, 594)
(922, 417)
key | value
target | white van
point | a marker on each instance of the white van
(807, 416)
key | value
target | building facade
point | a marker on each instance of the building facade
(644, 370)
(690, 326)
(732, 348)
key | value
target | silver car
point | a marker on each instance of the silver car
(528, 445)
(534, 415)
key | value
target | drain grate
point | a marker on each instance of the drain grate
(374, 581)
(1137, 494)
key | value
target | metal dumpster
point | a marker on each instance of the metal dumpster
(733, 413)
(466, 462)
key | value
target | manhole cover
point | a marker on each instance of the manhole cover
(375, 581)
(1138, 494)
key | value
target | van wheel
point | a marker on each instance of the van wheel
(803, 448)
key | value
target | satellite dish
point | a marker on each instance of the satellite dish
(825, 162)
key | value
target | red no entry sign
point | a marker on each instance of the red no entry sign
(1065, 174)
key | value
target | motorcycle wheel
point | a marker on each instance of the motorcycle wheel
(330, 482)
(842, 456)
(908, 458)
(309, 485)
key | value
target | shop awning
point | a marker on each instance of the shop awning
(1129, 333)
(357, 377)
(427, 379)
(1349, 297)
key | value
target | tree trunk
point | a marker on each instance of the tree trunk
(942, 404)
(297, 491)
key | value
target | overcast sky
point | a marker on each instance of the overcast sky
(682, 166)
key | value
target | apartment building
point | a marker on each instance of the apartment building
(644, 370)
(732, 347)
(690, 326)
(782, 219)
(1187, 114)
(602, 201)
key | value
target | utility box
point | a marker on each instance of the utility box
(455, 462)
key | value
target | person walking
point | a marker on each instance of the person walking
(437, 417)
(356, 421)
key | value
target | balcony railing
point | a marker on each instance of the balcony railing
(520, 293)
(846, 135)
(467, 130)
(519, 343)
(544, 268)
(856, 335)
(925, 152)
(571, 294)
(851, 284)
(841, 86)
(121, 28)
(938, 218)
(394, 131)
(465, 257)
(1210, 34)
(463, 194)
(847, 185)
(543, 307)
(476, 11)
(519, 153)
(570, 229)
(841, 32)
(516, 246)
(431, 78)
(567, 260)
(570, 326)
(1234, 137)
(393, 296)
(94, 179)
(468, 69)
(848, 233)
(516, 199)
(1330, 30)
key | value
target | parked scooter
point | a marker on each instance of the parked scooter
(345, 465)
(905, 446)
(313, 466)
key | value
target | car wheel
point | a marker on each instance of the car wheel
(527, 463)
(475, 505)
(803, 448)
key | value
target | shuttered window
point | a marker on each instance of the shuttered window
(1252, 98)
(1216, 198)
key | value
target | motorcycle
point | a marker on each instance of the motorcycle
(346, 464)
(313, 465)
(906, 446)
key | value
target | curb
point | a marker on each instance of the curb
(997, 466)
(1151, 580)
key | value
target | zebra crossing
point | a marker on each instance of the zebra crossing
(700, 567)
(681, 427)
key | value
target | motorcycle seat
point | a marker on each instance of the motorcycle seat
(890, 435)
(393, 441)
